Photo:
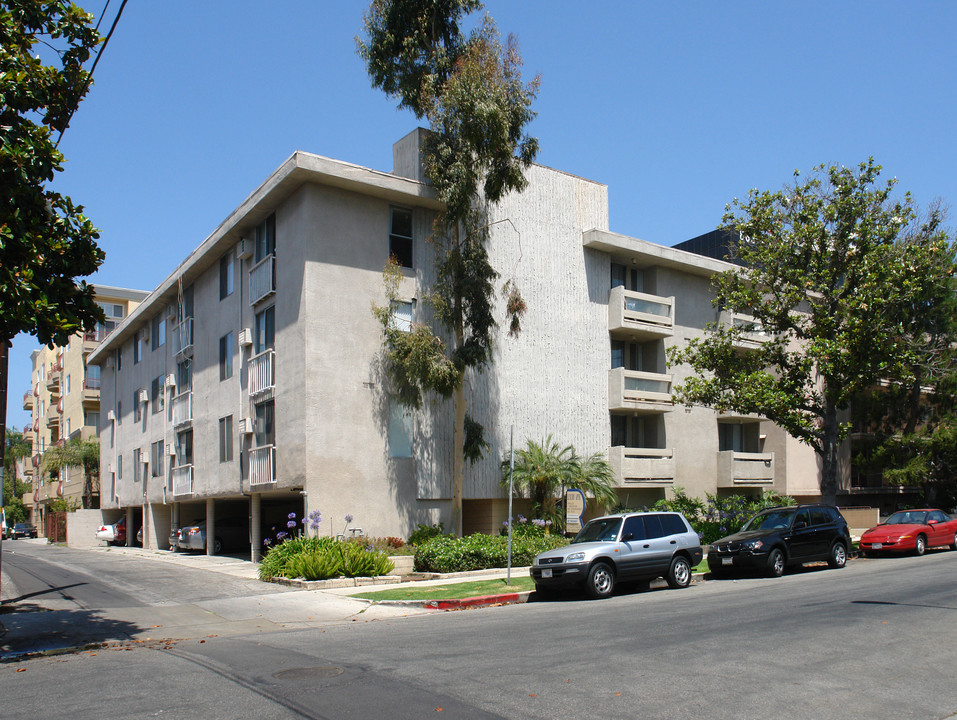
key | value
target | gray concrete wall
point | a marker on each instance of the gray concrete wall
(81, 527)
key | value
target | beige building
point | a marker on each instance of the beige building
(64, 402)
(249, 383)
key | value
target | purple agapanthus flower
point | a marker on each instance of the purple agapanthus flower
(291, 524)
(282, 535)
(348, 518)
(291, 516)
(314, 519)
(267, 542)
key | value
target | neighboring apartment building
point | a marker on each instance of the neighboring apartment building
(250, 382)
(65, 402)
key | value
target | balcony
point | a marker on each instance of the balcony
(741, 469)
(53, 420)
(640, 316)
(182, 409)
(643, 392)
(642, 467)
(262, 372)
(182, 480)
(28, 401)
(182, 337)
(262, 279)
(53, 381)
(262, 465)
(92, 339)
(753, 334)
(91, 393)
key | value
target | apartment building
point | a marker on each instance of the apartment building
(250, 382)
(64, 402)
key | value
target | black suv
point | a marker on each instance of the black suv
(782, 536)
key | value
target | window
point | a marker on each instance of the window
(401, 426)
(156, 458)
(157, 394)
(403, 315)
(137, 465)
(119, 467)
(226, 356)
(265, 330)
(92, 419)
(265, 430)
(66, 386)
(635, 527)
(119, 412)
(66, 427)
(226, 269)
(92, 377)
(119, 358)
(184, 376)
(265, 239)
(226, 439)
(400, 236)
(137, 407)
(629, 278)
(184, 447)
(139, 340)
(158, 336)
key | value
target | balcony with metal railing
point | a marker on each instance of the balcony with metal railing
(28, 401)
(262, 372)
(640, 316)
(262, 465)
(262, 279)
(182, 409)
(743, 469)
(642, 467)
(182, 480)
(91, 392)
(639, 391)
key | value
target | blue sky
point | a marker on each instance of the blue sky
(677, 107)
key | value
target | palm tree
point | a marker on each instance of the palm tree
(543, 471)
(77, 452)
(17, 449)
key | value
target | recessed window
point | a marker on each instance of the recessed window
(265, 239)
(156, 458)
(400, 430)
(265, 330)
(184, 448)
(226, 439)
(226, 270)
(226, 356)
(119, 467)
(403, 314)
(400, 236)
(137, 465)
(137, 407)
(184, 376)
(139, 341)
(158, 336)
(265, 429)
(157, 394)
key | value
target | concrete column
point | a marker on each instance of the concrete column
(210, 527)
(130, 530)
(255, 529)
(147, 525)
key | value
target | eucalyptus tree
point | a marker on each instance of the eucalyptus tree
(837, 273)
(469, 88)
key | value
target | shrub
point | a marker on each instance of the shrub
(526, 528)
(479, 552)
(276, 558)
(323, 558)
(423, 533)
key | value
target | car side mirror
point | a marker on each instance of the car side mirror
(627, 537)
(932, 522)
(800, 524)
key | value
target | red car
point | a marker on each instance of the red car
(911, 531)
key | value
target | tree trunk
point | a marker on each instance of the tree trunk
(829, 479)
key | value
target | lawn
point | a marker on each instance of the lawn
(452, 591)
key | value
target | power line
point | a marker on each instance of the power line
(89, 77)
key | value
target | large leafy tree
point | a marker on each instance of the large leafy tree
(544, 470)
(77, 453)
(837, 273)
(469, 87)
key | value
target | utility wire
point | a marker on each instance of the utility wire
(89, 77)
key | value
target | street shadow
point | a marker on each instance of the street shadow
(9, 606)
(33, 629)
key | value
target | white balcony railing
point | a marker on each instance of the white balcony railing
(262, 279)
(183, 480)
(183, 337)
(262, 372)
(741, 469)
(752, 332)
(636, 390)
(642, 467)
(182, 409)
(262, 465)
(640, 314)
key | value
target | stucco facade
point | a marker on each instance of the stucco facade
(267, 397)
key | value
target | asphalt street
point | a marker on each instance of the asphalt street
(877, 639)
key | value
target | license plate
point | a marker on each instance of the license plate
(547, 573)
(877, 546)
(727, 561)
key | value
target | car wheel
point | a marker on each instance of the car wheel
(775, 563)
(601, 580)
(679, 575)
(953, 545)
(217, 546)
(837, 558)
(920, 545)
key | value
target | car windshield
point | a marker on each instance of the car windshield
(772, 520)
(600, 530)
(907, 517)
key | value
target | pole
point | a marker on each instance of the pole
(511, 469)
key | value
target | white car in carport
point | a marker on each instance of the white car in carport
(232, 533)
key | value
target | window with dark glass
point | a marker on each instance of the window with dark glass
(265, 330)
(265, 239)
(158, 336)
(226, 279)
(184, 447)
(156, 458)
(157, 394)
(635, 526)
(265, 428)
(184, 376)
(226, 356)
(226, 439)
(400, 236)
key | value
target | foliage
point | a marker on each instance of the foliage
(45, 240)
(17, 449)
(470, 89)
(478, 552)
(544, 470)
(423, 533)
(62, 504)
(525, 528)
(313, 558)
(77, 452)
(836, 273)
(14, 511)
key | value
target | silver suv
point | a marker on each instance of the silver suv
(618, 549)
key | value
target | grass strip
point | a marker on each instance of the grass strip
(451, 591)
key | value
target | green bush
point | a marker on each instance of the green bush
(423, 533)
(277, 557)
(479, 552)
(321, 558)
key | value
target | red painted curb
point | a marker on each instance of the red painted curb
(474, 601)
